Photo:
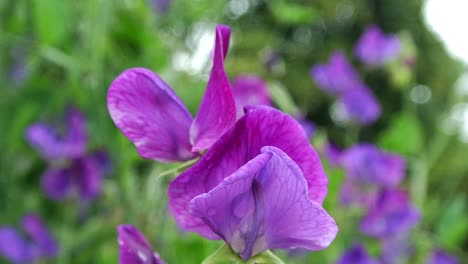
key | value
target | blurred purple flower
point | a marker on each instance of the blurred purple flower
(396, 249)
(76, 170)
(375, 48)
(356, 255)
(333, 154)
(161, 6)
(366, 164)
(259, 186)
(150, 114)
(249, 90)
(439, 256)
(391, 215)
(134, 248)
(308, 126)
(358, 105)
(18, 72)
(41, 244)
(336, 77)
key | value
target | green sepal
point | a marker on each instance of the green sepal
(225, 255)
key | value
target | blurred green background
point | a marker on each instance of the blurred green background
(54, 53)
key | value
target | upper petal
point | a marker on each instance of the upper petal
(39, 233)
(359, 105)
(44, 139)
(260, 126)
(265, 204)
(76, 137)
(134, 248)
(249, 90)
(150, 115)
(217, 111)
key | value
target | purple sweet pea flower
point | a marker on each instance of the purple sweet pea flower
(375, 48)
(53, 146)
(391, 215)
(439, 256)
(161, 6)
(358, 105)
(150, 114)
(333, 154)
(337, 76)
(259, 186)
(366, 164)
(77, 171)
(249, 90)
(134, 248)
(356, 255)
(17, 249)
(396, 249)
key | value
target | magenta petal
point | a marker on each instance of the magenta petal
(56, 183)
(265, 205)
(134, 248)
(217, 112)
(260, 126)
(35, 228)
(249, 90)
(150, 115)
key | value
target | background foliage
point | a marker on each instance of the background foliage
(55, 53)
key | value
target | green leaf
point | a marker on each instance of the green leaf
(292, 13)
(52, 20)
(403, 136)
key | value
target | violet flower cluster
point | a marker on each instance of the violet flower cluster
(71, 169)
(36, 245)
(356, 102)
(258, 183)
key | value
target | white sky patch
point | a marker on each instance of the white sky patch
(449, 19)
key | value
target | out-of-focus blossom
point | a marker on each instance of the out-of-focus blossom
(161, 6)
(259, 186)
(17, 249)
(356, 255)
(308, 126)
(336, 77)
(358, 105)
(439, 256)
(375, 48)
(396, 249)
(150, 114)
(366, 164)
(249, 90)
(391, 215)
(333, 154)
(18, 72)
(134, 248)
(71, 168)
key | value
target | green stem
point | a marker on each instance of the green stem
(181, 167)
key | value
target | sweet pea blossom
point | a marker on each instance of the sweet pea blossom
(375, 48)
(152, 116)
(260, 186)
(358, 105)
(71, 168)
(356, 255)
(40, 243)
(391, 215)
(134, 248)
(439, 256)
(337, 76)
(367, 164)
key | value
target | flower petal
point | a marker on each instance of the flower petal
(337, 76)
(43, 138)
(14, 248)
(150, 115)
(76, 138)
(56, 183)
(134, 248)
(359, 105)
(41, 236)
(260, 126)
(375, 48)
(217, 111)
(356, 255)
(88, 176)
(265, 205)
(249, 90)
